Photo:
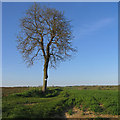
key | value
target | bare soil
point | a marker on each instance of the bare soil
(77, 113)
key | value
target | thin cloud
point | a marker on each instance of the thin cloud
(87, 29)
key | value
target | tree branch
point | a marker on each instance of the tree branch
(42, 46)
(35, 55)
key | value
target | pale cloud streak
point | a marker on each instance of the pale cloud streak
(87, 29)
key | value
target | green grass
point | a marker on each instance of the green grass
(70, 111)
(32, 103)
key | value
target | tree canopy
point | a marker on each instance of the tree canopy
(45, 32)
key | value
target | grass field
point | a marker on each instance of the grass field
(30, 102)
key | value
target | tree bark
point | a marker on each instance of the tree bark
(45, 75)
(46, 69)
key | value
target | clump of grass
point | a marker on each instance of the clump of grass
(38, 93)
(20, 112)
(83, 113)
(70, 111)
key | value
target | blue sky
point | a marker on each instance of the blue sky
(95, 27)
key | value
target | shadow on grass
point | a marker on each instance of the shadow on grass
(38, 93)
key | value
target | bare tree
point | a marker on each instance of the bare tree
(45, 33)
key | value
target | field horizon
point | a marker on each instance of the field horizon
(61, 86)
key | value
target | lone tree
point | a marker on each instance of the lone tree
(45, 33)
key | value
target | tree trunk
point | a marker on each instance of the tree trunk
(45, 76)
(45, 69)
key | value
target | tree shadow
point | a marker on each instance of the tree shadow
(38, 93)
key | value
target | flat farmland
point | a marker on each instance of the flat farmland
(60, 102)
